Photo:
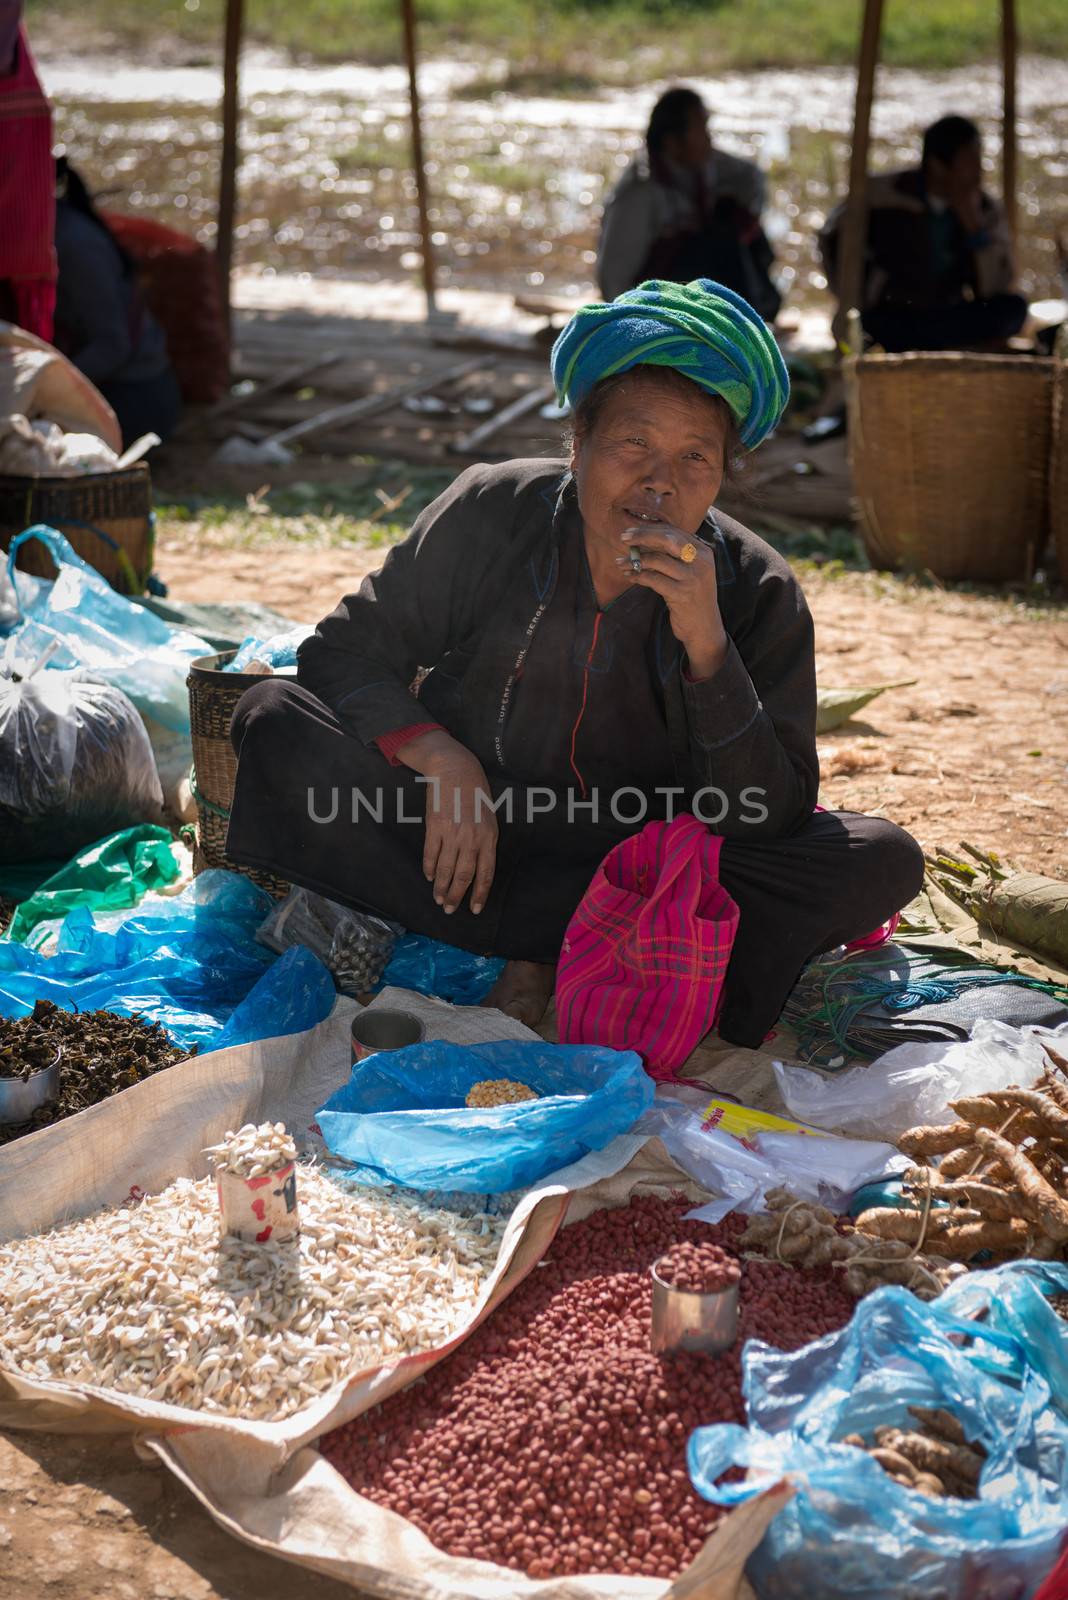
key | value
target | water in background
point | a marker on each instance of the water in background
(517, 181)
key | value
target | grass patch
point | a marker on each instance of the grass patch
(573, 39)
(354, 511)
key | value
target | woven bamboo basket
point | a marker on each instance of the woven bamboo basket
(213, 694)
(950, 458)
(1058, 485)
(106, 516)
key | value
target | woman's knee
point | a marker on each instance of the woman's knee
(265, 708)
(889, 855)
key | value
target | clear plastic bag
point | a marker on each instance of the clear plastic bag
(75, 764)
(914, 1083)
(107, 637)
(741, 1170)
(401, 1118)
(353, 945)
(852, 1532)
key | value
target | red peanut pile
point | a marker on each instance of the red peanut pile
(699, 1268)
(552, 1440)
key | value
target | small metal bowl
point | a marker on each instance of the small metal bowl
(20, 1098)
(700, 1324)
(384, 1030)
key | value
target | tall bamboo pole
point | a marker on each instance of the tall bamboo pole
(408, 18)
(1008, 113)
(855, 221)
(231, 113)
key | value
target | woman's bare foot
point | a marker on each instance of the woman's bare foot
(523, 991)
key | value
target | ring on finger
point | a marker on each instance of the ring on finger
(688, 552)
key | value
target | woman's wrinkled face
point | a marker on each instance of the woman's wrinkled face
(650, 439)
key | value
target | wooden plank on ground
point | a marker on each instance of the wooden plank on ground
(286, 379)
(467, 443)
(370, 404)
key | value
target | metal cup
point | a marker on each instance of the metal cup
(384, 1030)
(19, 1098)
(701, 1324)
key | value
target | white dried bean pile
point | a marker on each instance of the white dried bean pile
(152, 1301)
(253, 1150)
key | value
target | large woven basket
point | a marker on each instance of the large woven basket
(213, 694)
(1058, 485)
(950, 458)
(107, 517)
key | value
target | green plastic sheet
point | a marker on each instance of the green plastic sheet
(110, 875)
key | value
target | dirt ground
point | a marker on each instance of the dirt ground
(975, 749)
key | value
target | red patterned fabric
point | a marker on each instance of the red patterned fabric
(390, 743)
(645, 955)
(27, 195)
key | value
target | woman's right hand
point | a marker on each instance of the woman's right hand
(460, 849)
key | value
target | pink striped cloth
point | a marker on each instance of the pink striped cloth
(645, 955)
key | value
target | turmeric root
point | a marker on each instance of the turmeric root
(1057, 1060)
(888, 1222)
(1038, 1198)
(985, 1111)
(1053, 1119)
(933, 1455)
(935, 1141)
(956, 1235)
(961, 1162)
(985, 1197)
(894, 1463)
(1056, 1087)
(937, 1420)
(964, 1242)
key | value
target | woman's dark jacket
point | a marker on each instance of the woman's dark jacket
(464, 593)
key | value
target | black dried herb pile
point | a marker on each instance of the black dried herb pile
(102, 1055)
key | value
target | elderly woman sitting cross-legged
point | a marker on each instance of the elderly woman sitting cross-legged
(604, 649)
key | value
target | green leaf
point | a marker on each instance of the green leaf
(835, 706)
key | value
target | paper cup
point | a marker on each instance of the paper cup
(258, 1209)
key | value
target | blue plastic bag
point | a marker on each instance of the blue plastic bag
(430, 967)
(280, 650)
(112, 638)
(402, 1119)
(190, 963)
(852, 1532)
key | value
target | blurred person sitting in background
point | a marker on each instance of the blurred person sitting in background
(938, 266)
(102, 322)
(684, 210)
(27, 259)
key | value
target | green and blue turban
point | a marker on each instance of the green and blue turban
(701, 329)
